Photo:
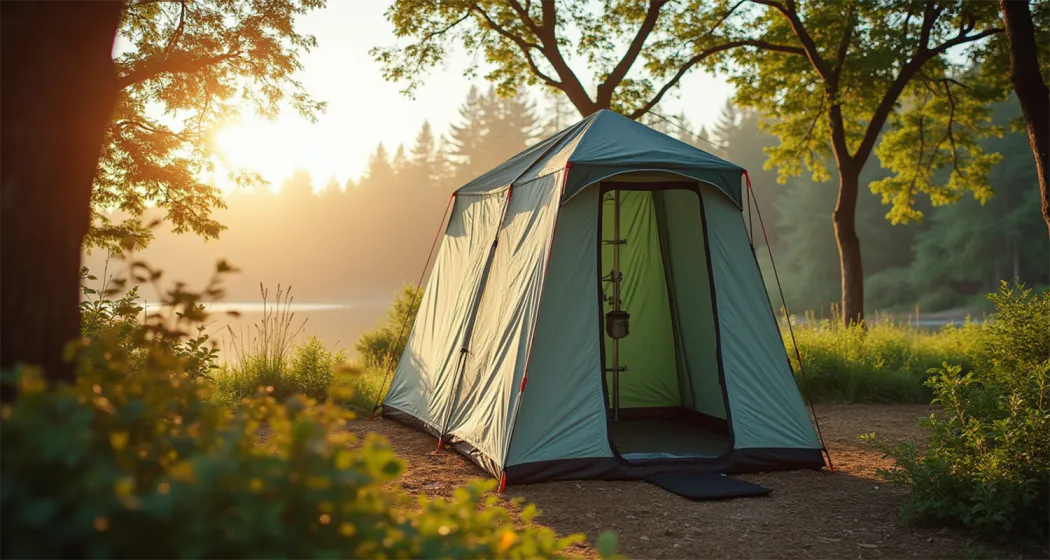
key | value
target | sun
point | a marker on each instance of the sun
(275, 149)
(258, 146)
(241, 145)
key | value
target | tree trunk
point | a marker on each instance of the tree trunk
(59, 87)
(845, 218)
(1031, 90)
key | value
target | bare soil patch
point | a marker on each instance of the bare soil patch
(850, 513)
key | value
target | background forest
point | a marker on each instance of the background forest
(353, 243)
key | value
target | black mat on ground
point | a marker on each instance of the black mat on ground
(707, 486)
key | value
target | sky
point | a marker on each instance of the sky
(364, 109)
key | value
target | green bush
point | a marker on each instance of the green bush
(107, 320)
(381, 347)
(987, 466)
(887, 362)
(139, 461)
(307, 368)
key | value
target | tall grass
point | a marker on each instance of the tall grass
(269, 356)
(886, 363)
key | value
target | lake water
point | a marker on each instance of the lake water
(337, 324)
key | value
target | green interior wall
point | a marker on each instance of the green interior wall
(648, 352)
(680, 215)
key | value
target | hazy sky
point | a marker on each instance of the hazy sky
(364, 110)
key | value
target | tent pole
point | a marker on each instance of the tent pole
(616, 302)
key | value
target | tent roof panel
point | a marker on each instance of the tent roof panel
(607, 144)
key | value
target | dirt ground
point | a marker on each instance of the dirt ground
(846, 514)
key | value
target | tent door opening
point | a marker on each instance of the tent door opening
(662, 379)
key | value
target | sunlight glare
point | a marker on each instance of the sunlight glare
(269, 148)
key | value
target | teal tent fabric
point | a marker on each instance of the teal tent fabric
(508, 360)
(562, 412)
(766, 406)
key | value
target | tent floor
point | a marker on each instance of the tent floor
(666, 438)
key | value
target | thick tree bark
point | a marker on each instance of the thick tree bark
(845, 218)
(58, 90)
(1031, 91)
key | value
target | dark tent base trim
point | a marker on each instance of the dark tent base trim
(763, 459)
(611, 468)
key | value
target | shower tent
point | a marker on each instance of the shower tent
(510, 360)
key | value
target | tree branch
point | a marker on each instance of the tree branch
(426, 41)
(840, 57)
(524, 46)
(929, 17)
(961, 40)
(908, 71)
(523, 15)
(179, 63)
(570, 84)
(948, 131)
(606, 88)
(697, 58)
(808, 45)
(178, 30)
(803, 147)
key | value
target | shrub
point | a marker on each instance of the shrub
(986, 467)
(140, 462)
(307, 369)
(382, 346)
(110, 321)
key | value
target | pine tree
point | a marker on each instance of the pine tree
(423, 157)
(443, 163)
(400, 162)
(741, 141)
(379, 171)
(509, 127)
(559, 113)
(424, 147)
(332, 187)
(492, 130)
(298, 186)
(467, 138)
